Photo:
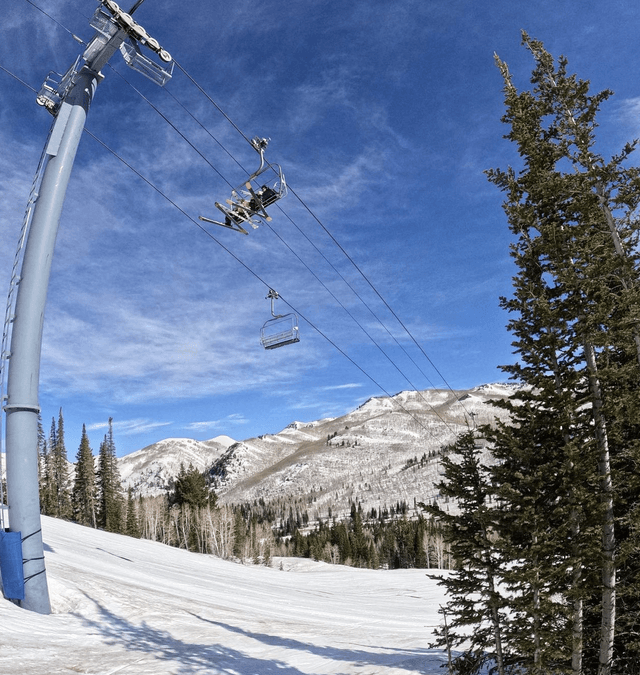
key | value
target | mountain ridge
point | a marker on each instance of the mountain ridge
(386, 450)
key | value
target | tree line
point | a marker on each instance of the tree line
(375, 543)
(90, 494)
(188, 516)
(546, 542)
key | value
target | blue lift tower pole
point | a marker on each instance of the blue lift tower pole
(68, 99)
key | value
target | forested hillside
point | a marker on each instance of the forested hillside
(343, 490)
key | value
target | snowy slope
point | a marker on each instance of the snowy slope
(123, 605)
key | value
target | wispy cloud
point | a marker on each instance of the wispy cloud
(338, 387)
(130, 427)
(202, 426)
(123, 351)
(229, 420)
(628, 113)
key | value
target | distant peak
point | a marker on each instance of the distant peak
(227, 441)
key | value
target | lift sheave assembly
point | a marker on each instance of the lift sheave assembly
(115, 29)
(248, 204)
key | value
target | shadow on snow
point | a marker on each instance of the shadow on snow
(423, 661)
(188, 658)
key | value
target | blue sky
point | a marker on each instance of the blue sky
(383, 115)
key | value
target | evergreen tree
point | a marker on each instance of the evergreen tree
(55, 493)
(110, 498)
(83, 497)
(133, 521)
(576, 303)
(45, 477)
(542, 507)
(191, 488)
(359, 545)
(190, 498)
(474, 597)
(104, 480)
(239, 535)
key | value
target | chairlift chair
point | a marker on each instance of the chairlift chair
(281, 330)
(248, 204)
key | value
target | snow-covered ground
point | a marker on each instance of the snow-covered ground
(123, 605)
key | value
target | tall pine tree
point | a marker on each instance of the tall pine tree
(83, 497)
(45, 480)
(110, 496)
(576, 304)
(55, 486)
(473, 588)
(133, 520)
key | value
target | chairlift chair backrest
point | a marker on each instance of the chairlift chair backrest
(280, 331)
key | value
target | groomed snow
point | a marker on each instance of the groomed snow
(122, 605)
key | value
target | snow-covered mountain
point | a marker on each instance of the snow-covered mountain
(384, 452)
(151, 471)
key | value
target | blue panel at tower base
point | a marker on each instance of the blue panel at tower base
(11, 565)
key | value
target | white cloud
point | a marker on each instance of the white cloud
(202, 426)
(129, 427)
(136, 355)
(236, 418)
(628, 112)
(337, 387)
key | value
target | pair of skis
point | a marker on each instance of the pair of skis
(248, 206)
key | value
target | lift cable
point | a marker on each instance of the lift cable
(375, 290)
(344, 252)
(15, 77)
(73, 35)
(204, 128)
(151, 184)
(302, 202)
(362, 300)
(214, 104)
(259, 278)
(363, 329)
(173, 126)
(208, 233)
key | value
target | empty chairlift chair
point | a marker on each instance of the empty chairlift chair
(281, 330)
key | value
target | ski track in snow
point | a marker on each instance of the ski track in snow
(129, 606)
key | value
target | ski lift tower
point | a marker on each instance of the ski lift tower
(68, 99)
